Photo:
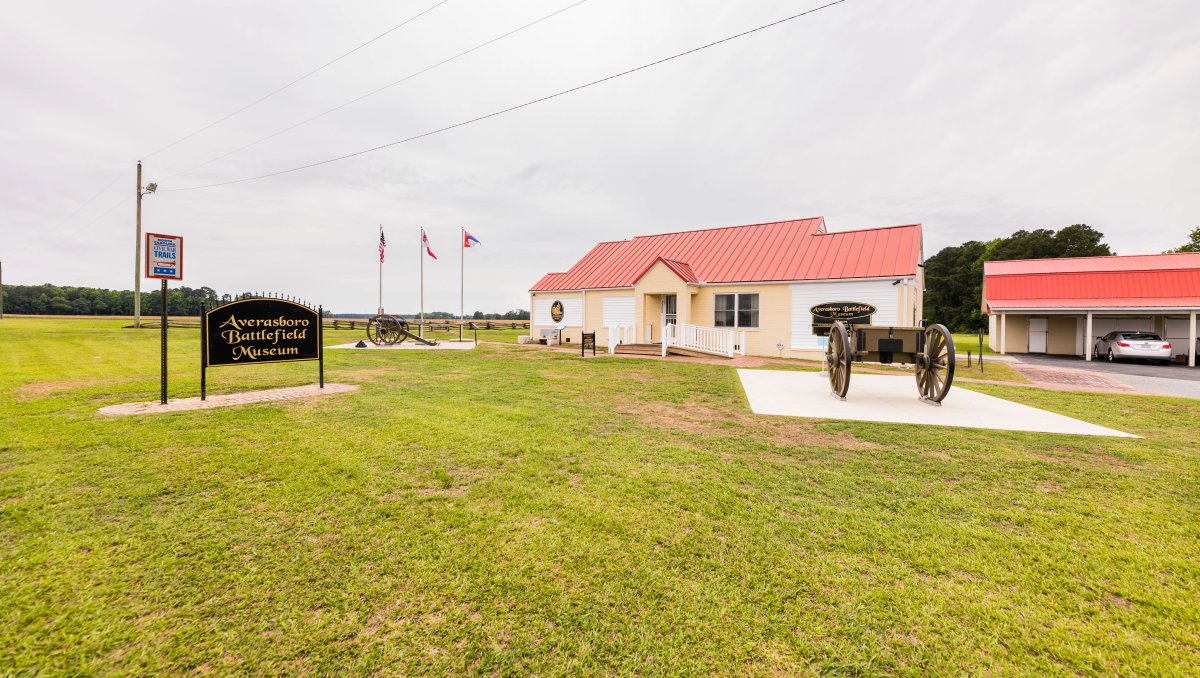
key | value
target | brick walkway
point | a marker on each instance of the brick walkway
(1068, 379)
(227, 400)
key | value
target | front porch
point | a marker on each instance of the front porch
(679, 339)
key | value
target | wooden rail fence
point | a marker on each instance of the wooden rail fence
(361, 324)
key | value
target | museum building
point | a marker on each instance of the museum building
(763, 289)
(1059, 306)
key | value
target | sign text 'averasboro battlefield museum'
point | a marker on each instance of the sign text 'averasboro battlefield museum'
(776, 287)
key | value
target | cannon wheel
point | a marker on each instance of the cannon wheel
(935, 367)
(837, 360)
(384, 330)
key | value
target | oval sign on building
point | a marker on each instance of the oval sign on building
(556, 311)
(849, 312)
(261, 331)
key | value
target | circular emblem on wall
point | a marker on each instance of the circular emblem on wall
(556, 311)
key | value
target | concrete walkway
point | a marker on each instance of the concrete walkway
(874, 397)
(227, 400)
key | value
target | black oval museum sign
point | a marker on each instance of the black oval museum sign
(261, 331)
(849, 312)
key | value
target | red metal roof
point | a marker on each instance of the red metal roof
(1135, 262)
(784, 250)
(1102, 302)
(1139, 281)
(679, 268)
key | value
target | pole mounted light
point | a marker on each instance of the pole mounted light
(137, 247)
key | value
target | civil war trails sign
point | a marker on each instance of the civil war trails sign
(260, 330)
(849, 312)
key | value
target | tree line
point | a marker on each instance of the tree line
(954, 276)
(66, 300)
(55, 300)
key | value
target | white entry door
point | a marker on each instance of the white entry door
(1037, 335)
(669, 307)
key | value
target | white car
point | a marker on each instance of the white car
(1132, 344)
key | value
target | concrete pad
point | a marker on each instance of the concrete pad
(883, 398)
(410, 345)
(227, 400)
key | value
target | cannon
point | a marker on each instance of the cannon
(930, 350)
(386, 330)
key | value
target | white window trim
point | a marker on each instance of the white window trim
(737, 307)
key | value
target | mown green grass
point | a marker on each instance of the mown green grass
(970, 342)
(517, 510)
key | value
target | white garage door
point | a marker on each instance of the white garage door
(1177, 334)
(618, 311)
(572, 311)
(1037, 335)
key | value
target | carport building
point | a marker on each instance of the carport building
(1060, 306)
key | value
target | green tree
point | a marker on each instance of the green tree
(1192, 245)
(954, 276)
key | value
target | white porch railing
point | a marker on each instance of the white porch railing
(620, 334)
(712, 340)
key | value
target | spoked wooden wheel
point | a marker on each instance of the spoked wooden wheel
(383, 330)
(837, 360)
(935, 366)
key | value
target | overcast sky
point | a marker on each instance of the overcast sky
(973, 117)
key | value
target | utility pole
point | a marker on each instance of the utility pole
(137, 248)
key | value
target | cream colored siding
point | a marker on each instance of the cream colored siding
(1061, 335)
(1016, 330)
(618, 310)
(879, 293)
(773, 328)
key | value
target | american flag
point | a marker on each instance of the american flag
(382, 245)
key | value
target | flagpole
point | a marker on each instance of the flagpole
(421, 255)
(462, 278)
(381, 271)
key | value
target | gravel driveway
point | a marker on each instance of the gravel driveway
(1171, 380)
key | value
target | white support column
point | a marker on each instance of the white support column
(1088, 339)
(1003, 333)
(1192, 339)
(531, 316)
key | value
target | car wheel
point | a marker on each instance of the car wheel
(1110, 355)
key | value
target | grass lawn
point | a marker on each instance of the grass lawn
(970, 342)
(518, 510)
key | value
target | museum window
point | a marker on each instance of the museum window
(735, 310)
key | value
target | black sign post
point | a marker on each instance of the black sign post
(849, 312)
(260, 330)
(589, 341)
(162, 371)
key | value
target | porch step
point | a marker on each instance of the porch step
(640, 349)
(656, 349)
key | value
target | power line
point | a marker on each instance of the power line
(306, 75)
(124, 200)
(511, 108)
(375, 91)
(227, 117)
(87, 202)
